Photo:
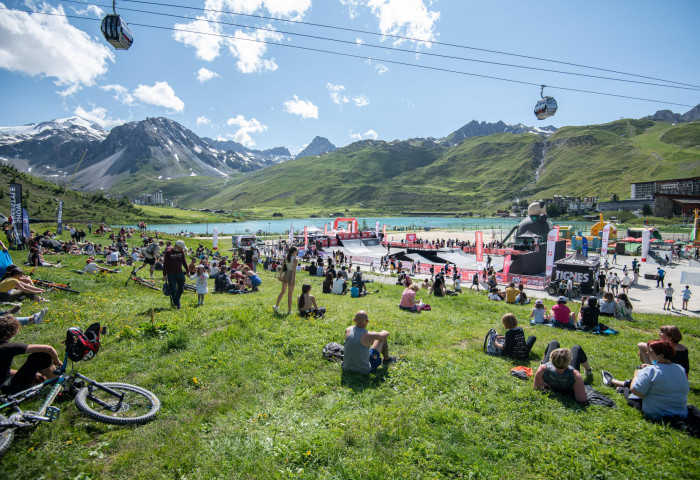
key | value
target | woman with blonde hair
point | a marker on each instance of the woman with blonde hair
(287, 277)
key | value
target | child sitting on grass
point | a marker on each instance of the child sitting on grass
(539, 313)
(513, 343)
(307, 304)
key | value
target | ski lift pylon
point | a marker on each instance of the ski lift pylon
(116, 31)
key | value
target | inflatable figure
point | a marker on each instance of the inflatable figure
(536, 222)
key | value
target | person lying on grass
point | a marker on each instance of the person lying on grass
(363, 347)
(38, 366)
(92, 267)
(659, 389)
(513, 343)
(307, 304)
(559, 371)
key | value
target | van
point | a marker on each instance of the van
(241, 243)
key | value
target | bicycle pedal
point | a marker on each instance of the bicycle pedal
(53, 412)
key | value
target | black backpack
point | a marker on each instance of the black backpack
(333, 352)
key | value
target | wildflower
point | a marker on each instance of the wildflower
(194, 379)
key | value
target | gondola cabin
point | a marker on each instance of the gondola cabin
(116, 32)
(545, 108)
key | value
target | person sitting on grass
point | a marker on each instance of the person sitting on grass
(38, 317)
(327, 286)
(673, 335)
(559, 371)
(408, 299)
(340, 285)
(539, 313)
(513, 343)
(38, 367)
(439, 289)
(588, 315)
(607, 305)
(251, 279)
(425, 285)
(562, 315)
(363, 347)
(521, 299)
(511, 293)
(92, 267)
(15, 285)
(659, 389)
(623, 307)
(495, 295)
(307, 304)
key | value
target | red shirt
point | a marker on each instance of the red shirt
(561, 313)
(174, 261)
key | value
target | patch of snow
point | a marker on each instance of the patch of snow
(197, 149)
(177, 159)
(29, 170)
(192, 174)
(160, 177)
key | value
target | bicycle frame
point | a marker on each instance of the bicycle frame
(46, 412)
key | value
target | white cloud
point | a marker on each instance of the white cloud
(203, 120)
(303, 108)
(363, 136)
(381, 68)
(89, 10)
(47, 45)
(98, 115)
(160, 94)
(361, 100)
(204, 74)
(208, 38)
(121, 93)
(407, 18)
(249, 50)
(245, 128)
(353, 7)
(336, 93)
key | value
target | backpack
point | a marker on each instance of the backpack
(489, 343)
(150, 250)
(333, 351)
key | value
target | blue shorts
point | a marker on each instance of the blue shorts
(375, 359)
(255, 281)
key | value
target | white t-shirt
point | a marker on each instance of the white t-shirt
(91, 268)
(113, 257)
(665, 388)
(338, 285)
(668, 291)
(494, 296)
(135, 256)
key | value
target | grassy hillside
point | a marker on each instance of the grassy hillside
(480, 174)
(247, 395)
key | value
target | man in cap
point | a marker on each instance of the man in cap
(174, 268)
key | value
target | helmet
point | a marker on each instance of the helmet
(83, 346)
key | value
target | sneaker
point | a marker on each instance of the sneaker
(588, 379)
(607, 378)
(276, 309)
(389, 360)
(39, 317)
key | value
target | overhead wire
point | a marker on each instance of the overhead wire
(413, 39)
(350, 55)
(404, 50)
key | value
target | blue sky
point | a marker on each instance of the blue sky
(268, 95)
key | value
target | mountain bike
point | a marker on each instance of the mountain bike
(56, 286)
(112, 403)
(141, 281)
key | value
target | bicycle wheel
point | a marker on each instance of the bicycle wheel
(6, 436)
(138, 407)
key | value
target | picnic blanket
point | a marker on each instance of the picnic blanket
(596, 331)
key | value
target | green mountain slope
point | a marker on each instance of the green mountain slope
(479, 174)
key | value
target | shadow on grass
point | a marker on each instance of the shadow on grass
(358, 382)
(146, 313)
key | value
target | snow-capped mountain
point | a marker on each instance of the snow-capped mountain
(476, 129)
(156, 147)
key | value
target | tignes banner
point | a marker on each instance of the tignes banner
(59, 219)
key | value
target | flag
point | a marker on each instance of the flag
(376, 228)
(584, 247)
(59, 220)
(551, 244)
(16, 210)
(606, 237)
(646, 238)
(306, 237)
(25, 223)
(325, 229)
(215, 237)
(384, 233)
(291, 234)
(479, 250)
(506, 264)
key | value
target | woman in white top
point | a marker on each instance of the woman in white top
(287, 277)
(539, 313)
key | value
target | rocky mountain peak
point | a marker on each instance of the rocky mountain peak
(318, 146)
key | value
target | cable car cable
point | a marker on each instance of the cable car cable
(413, 39)
(395, 62)
(405, 50)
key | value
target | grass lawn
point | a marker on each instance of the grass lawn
(247, 394)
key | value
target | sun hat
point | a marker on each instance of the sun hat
(539, 302)
(562, 299)
(180, 244)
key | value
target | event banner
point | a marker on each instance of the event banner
(551, 244)
(25, 223)
(506, 264)
(215, 238)
(606, 237)
(646, 238)
(479, 249)
(291, 234)
(325, 229)
(16, 209)
(584, 246)
(410, 237)
(59, 219)
(306, 236)
(376, 229)
(384, 232)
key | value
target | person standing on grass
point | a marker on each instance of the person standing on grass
(475, 281)
(201, 278)
(364, 349)
(287, 277)
(150, 255)
(668, 291)
(686, 297)
(174, 268)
